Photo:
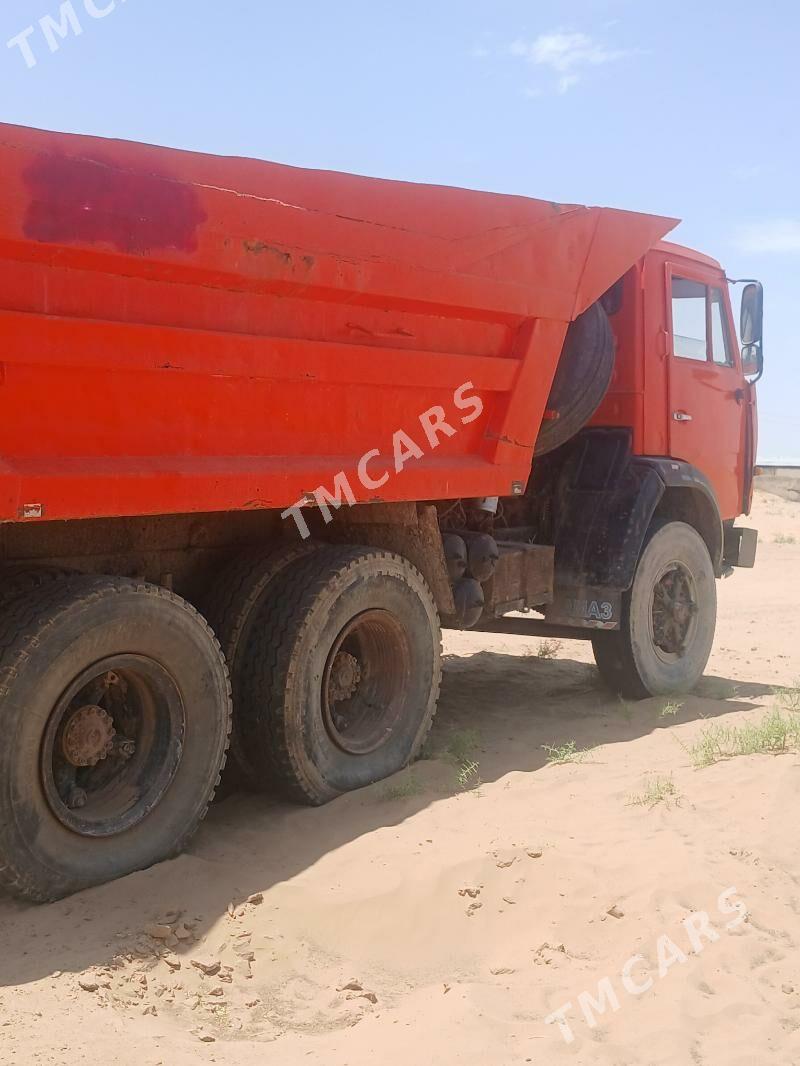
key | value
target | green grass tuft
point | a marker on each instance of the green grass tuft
(568, 752)
(467, 775)
(403, 788)
(789, 698)
(625, 708)
(462, 744)
(773, 735)
(657, 790)
(669, 710)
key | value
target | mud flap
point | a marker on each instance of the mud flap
(605, 503)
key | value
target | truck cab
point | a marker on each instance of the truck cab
(680, 380)
(641, 504)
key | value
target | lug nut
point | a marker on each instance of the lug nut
(77, 799)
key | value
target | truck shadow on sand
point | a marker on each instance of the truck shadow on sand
(500, 708)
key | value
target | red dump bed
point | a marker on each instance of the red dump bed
(181, 332)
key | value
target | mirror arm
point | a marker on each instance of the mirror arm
(760, 372)
(759, 356)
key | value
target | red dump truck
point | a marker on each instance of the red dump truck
(266, 430)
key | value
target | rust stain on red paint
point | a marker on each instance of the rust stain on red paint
(92, 201)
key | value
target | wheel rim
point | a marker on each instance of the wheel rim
(365, 681)
(673, 612)
(112, 745)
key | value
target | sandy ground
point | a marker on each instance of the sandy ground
(423, 921)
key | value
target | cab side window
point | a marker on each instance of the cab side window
(720, 339)
(689, 320)
(699, 324)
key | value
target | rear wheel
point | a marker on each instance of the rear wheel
(115, 712)
(668, 618)
(343, 673)
(238, 593)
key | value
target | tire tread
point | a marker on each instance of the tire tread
(230, 607)
(269, 673)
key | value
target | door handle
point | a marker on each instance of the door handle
(681, 416)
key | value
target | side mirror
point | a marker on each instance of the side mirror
(752, 314)
(751, 328)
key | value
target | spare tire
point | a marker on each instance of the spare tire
(582, 378)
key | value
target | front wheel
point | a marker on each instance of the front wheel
(668, 618)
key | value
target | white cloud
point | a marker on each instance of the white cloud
(771, 235)
(566, 54)
(566, 82)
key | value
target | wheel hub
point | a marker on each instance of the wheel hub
(88, 736)
(674, 609)
(364, 682)
(345, 676)
(112, 745)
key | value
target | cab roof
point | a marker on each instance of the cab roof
(686, 253)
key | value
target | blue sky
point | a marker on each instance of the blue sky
(688, 109)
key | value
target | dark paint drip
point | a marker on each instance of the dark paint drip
(92, 201)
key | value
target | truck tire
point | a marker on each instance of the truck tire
(21, 581)
(343, 675)
(115, 714)
(582, 378)
(668, 618)
(238, 592)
